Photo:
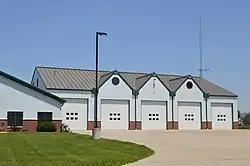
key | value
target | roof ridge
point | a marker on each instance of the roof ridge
(132, 72)
(68, 68)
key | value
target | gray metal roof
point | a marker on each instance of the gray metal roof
(81, 79)
(140, 81)
(177, 82)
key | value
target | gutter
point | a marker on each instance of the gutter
(135, 114)
(206, 96)
(172, 112)
(172, 95)
(135, 93)
(206, 113)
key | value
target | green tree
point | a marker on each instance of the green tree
(246, 119)
(239, 114)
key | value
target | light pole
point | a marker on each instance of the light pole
(96, 130)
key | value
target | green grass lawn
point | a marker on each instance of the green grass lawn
(64, 149)
(244, 127)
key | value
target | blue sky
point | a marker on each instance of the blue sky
(154, 36)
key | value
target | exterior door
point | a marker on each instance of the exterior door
(154, 115)
(221, 116)
(114, 114)
(74, 113)
(189, 115)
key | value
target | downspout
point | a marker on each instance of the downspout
(172, 94)
(206, 114)
(206, 95)
(135, 93)
(135, 114)
(172, 112)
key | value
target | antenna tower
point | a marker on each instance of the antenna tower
(201, 69)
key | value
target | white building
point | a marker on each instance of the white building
(23, 104)
(129, 101)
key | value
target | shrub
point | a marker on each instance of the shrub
(64, 128)
(46, 127)
(246, 119)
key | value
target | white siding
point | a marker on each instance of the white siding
(132, 109)
(232, 100)
(16, 97)
(69, 94)
(157, 93)
(189, 95)
(36, 78)
(118, 92)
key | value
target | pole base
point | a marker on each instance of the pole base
(96, 133)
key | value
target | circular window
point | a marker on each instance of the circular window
(189, 85)
(115, 81)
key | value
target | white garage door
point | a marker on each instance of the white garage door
(114, 114)
(221, 116)
(154, 115)
(189, 115)
(75, 113)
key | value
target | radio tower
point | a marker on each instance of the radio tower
(201, 69)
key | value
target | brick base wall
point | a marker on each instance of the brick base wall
(131, 125)
(135, 125)
(172, 125)
(206, 125)
(169, 125)
(29, 125)
(91, 125)
(3, 125)
(209, 125)
(235, 125)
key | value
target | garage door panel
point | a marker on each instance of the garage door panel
(154, 115)
(189, 104)
(114, 114)
(71, 100)
(115, 102)
(189, 115)
(221, 116)
(154, 103)
(228, 105)
(74, 113)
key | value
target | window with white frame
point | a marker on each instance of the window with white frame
(14, 118)
(44, 116)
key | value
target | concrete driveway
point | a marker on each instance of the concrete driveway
(190, 148)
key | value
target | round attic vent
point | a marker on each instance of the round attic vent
(189, 85)
(115, 81)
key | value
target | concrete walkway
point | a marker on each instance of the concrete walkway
(190, 148)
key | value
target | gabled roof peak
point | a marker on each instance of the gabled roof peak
(111, 72)
(153, 74)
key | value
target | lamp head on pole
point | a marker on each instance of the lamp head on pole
(101, 33)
